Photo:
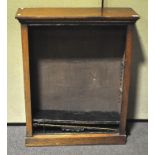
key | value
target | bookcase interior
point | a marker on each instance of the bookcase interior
(76, 75)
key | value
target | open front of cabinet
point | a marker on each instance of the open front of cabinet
(76, 74)
(76, 78)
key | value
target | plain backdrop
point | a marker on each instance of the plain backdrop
(138, 92)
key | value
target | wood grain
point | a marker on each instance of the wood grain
(75, 139)
(78, 13)
(25, 49)
(126, 82)
(112, 16)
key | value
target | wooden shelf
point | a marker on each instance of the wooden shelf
(77, 117)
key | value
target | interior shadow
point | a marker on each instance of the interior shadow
(76, 68)
(88, 46)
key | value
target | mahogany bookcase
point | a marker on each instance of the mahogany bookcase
(76, 74)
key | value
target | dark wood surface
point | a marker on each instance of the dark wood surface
(76, 117)
(52, 121)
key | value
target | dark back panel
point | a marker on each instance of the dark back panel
(76, 68)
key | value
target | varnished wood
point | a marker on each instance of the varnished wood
(25, 49)
(75, 139)
(126, 82)
(106, 14)
(30, 17)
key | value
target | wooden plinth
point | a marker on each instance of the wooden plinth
(74, 139)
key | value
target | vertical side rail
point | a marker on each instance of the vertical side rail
(25, 51)
(126, 81)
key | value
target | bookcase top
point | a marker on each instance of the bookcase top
(28, 15)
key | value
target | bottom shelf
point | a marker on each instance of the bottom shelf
(67, 122)
(55, 127)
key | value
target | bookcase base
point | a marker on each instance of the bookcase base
(74, 139)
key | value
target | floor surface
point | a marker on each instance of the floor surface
(137, 144)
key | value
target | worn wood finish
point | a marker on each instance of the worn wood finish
(48, 14)
(25, 49)
(50, 128)
(45, 122)
(56, 17)
(76, 117)
(126, 82)
(75, 139)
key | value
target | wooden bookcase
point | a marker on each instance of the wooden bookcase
(76, 74)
